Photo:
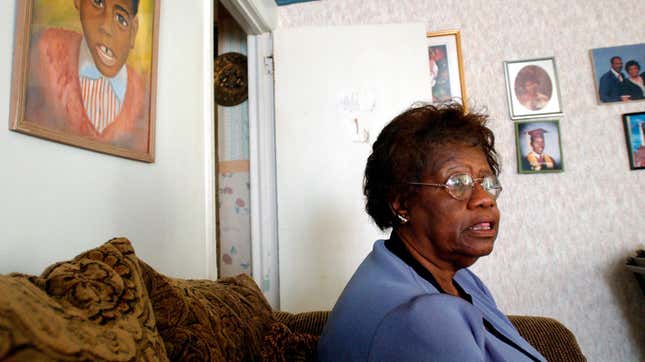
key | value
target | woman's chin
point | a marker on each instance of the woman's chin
(469, 257)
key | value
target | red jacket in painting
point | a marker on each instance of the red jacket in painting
(54, 99)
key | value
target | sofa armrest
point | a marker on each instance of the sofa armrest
(308, 322)
(550, 337)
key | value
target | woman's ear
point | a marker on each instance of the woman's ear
(399, 211)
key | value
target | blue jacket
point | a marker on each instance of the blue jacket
(388, 312)
(610, 88)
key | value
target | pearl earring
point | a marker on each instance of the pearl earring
(403, 219)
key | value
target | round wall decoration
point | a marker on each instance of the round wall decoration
(231, 79)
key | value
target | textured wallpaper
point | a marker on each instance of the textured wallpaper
(564, 237)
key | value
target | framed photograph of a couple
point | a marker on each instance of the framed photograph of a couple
(446, 67)
(84, 74)
(538, 146)
(619, 73)
(634, 124)
(532, 88)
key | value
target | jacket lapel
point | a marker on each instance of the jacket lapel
(503, 326)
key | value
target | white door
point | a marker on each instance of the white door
(335, 88)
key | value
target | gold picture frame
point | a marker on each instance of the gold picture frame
(446, 67)
(85, 74)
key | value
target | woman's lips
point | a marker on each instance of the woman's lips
(481, 226)
(106, 55)
(483, 229)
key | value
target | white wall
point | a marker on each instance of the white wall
(57, 200)
(318, 161)
(564, 237)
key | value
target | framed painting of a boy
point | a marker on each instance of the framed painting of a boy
(84, 74)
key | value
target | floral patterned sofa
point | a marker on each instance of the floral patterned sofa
(108, 305)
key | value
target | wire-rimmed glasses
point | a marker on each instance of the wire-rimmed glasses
(460, 186)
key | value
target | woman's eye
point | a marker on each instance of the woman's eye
(491, 181)
(459, 180)
(121, 20)
(98, 3)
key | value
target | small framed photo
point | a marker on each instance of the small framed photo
(84, 74)
(619, 73)
(446, 67)
(635, 137)
(532, 88)
(539, 148)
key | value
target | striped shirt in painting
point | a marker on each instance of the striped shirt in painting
(101, 104)
(102, 96)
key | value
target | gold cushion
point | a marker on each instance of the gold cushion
(204, 320)
(94, 307)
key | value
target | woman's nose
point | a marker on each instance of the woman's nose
(480, 197)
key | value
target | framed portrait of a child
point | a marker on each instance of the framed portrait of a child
(539, 149)
(532, 88)
(84, 74)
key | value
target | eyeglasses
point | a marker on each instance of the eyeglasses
(460, 186)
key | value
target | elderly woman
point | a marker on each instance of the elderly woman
(432, 178)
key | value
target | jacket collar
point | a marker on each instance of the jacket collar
(468, 284)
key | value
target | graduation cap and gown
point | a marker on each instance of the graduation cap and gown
(538, 161)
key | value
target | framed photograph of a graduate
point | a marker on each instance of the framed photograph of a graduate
(619, 73)
(446, 67)
(634, 124)
(532, 88)
(84, 74)
(538, 146)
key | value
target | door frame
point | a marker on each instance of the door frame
(258, 18)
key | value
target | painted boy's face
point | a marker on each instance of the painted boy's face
(110, 27)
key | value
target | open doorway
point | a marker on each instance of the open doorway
(245, 157)
(232, 153)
